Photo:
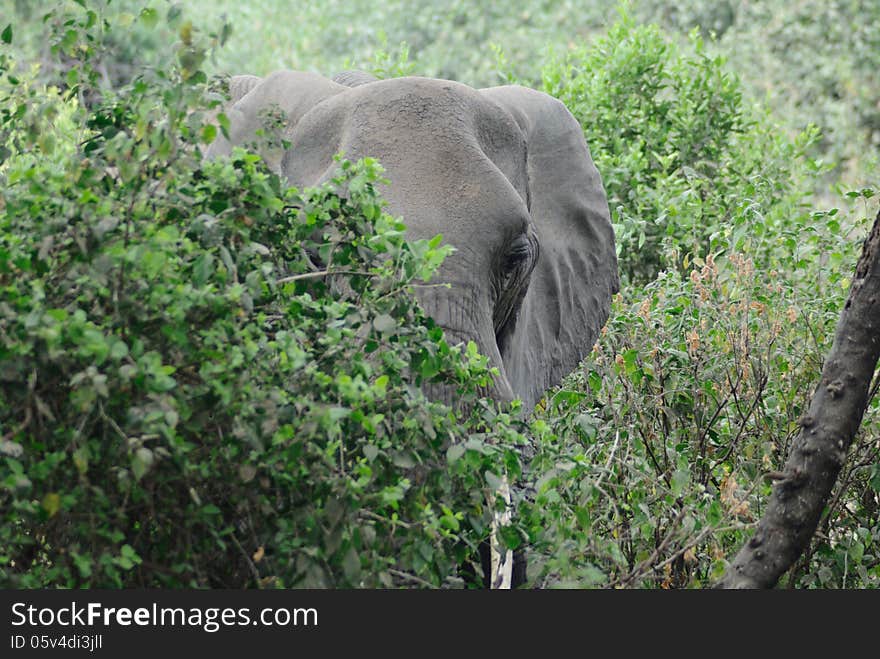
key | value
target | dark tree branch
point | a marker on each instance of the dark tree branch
(826, 432)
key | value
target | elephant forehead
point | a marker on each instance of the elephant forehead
(454, 158)
(389, 117)
(431, 111)
(473, 211)
(415, 98)
(414, 101)
(434, 110)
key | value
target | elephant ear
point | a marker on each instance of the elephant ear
(292, 93)
(569, 295)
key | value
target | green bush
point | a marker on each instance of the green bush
(652, 461)
(680, 154)
(815, 62)
(209, 379)
(130, 37)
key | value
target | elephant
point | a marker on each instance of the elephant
(503, 173)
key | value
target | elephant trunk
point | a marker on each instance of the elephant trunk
(447, 393)
(462, 321)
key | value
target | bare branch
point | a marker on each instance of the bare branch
(322, 273)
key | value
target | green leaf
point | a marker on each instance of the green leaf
(595, 381)
(875, 478)
(149, 17)
(717, 570)
(681, 478)
(83, 564)
(564, 398)
(404, 460)
(69, 39)
(493, 480)
(209, 132)
(118, 350)
(174, 13)
(630, 360)
(223, 120)
(857, 551)
(81, 459)
(475, 444)
(203, 269)
(7, 34)
(336, 413)
(51, 503)
(225, 32)
(128, 558)
(449, 520)
(588, 424)
(141, 462)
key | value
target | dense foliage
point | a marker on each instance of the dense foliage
(209, 379)
(684, 160)
(654, 457)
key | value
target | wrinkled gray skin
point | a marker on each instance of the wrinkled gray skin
(503, 173)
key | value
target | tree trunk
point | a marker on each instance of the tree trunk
(827, 430)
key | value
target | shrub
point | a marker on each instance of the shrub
(654, 459)
(130, 37)
(680, 154)
(209, 379)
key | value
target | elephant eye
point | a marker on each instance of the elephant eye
(515, 257)
(515, 267)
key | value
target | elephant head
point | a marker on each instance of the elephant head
(503, 173)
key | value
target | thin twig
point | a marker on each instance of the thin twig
(24, 424)
(411, 577)
(610, 458)
(247, 559)
(648, 562)
(322, 273)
